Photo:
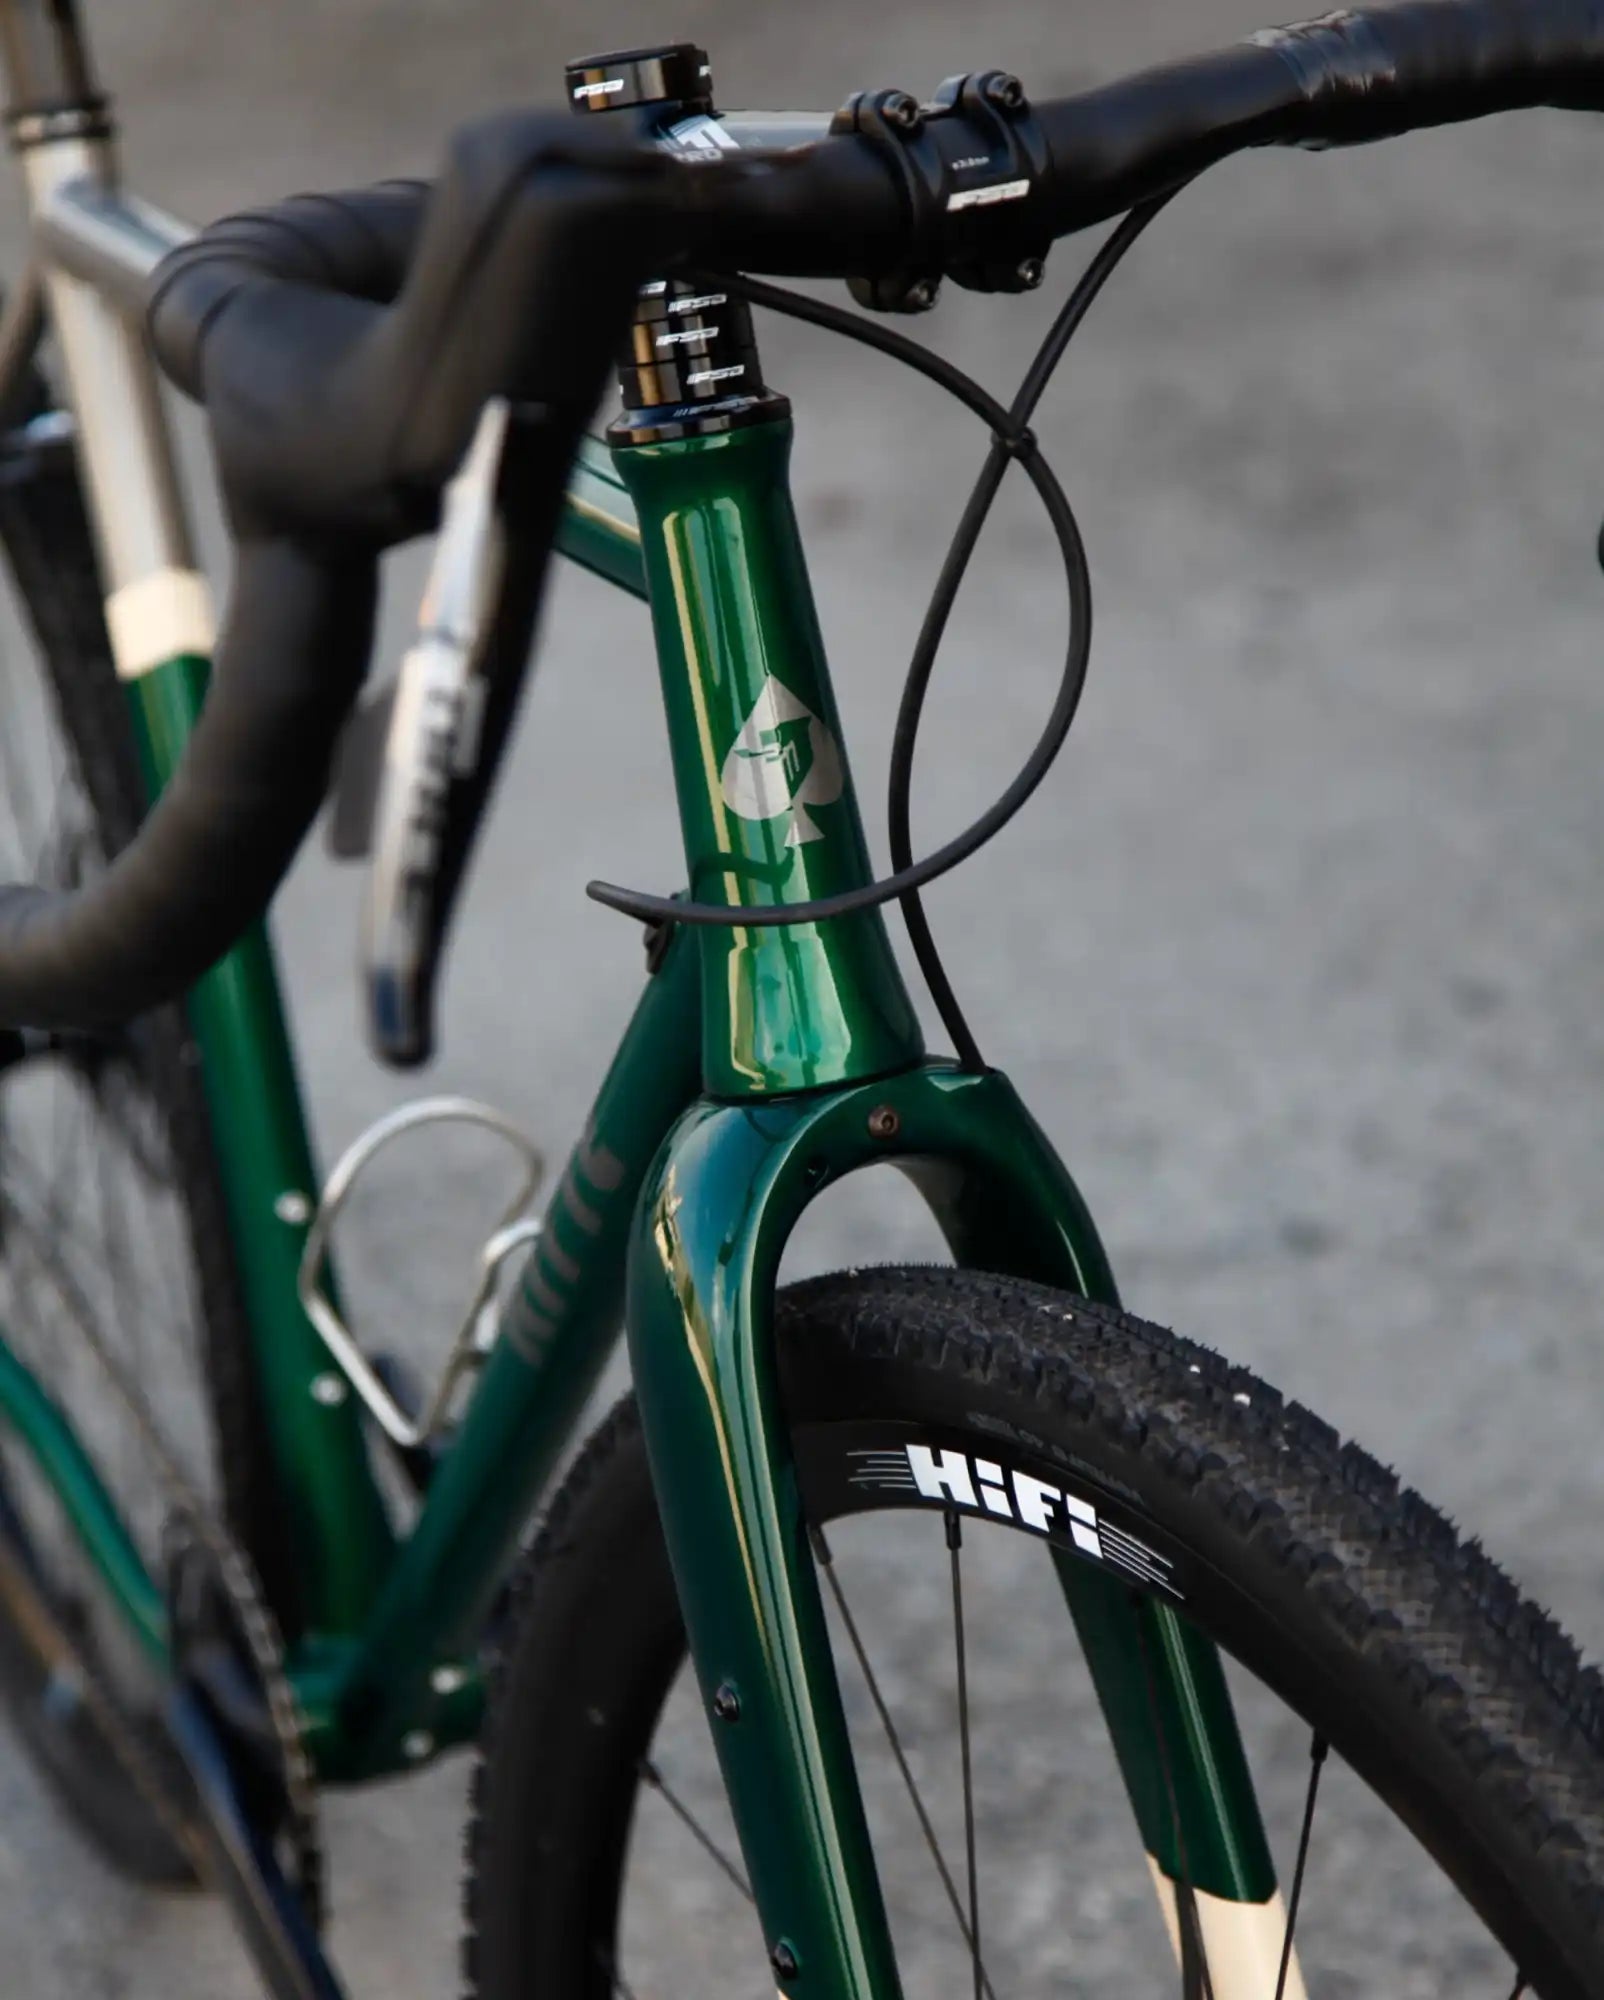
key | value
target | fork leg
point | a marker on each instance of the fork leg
(701, 1288)
(1159, 1680)
(717, 1208)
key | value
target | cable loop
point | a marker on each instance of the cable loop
(1012, 442)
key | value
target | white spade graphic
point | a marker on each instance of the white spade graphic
(783, 761)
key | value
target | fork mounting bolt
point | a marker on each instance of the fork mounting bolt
(784, 1961)
(726, 1703)
(884, 1122)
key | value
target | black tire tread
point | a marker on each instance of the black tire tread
(1486, 1671)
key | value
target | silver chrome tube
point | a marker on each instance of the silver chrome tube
(775, 131)
(746, 131)
(110, 240)
(98, 247)
(45, 59)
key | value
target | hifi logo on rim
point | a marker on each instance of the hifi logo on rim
(981, 1486)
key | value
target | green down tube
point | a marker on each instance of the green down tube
(338, 1533)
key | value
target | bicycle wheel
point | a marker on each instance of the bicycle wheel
(112, 1220)
(1457, 1843)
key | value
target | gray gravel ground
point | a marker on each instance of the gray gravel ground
(1298, 957)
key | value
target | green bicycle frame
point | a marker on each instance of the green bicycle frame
(762, 1064)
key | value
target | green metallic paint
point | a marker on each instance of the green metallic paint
(339, 1529)
(722, 1200)
(53, 1445)
(598, 529)
(556, 1335)
(1154, 1674)
(795, 1007)
(1140, 1654)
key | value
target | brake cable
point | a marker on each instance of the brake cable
(1012, 440)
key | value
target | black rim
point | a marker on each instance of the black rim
(951, 1832)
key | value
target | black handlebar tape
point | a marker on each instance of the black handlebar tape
(345, 347)
(217, 842)
(1371, 75)
(337, 421)
(359, 243)
(1343, 79)
(333, 412)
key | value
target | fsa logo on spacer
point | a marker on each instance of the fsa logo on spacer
(981, 1486)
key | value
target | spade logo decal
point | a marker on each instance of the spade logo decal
(783, 761)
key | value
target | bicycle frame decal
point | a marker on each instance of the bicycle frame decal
(783, 761)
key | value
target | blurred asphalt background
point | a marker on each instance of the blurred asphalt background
(1298, 955)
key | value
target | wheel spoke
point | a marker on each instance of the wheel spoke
(821, 1549)
(955, 1546)
(1318, 1747)
(34, 1206)
(1522, 1985)
(682, 1812)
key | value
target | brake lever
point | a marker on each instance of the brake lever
(422, 751)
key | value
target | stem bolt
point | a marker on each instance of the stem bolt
(726, 1703)
(884, 1122)
(416, 1745)
(921, 295)
(1006, 92)
(1029, 272)
(784, 1960)
(293, 1207)
(329, 1390)
(901, 110)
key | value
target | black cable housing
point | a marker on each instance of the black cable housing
(1012, 440)
(345, 347)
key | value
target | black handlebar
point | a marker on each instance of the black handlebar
(1345, 79)
(344, 346)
